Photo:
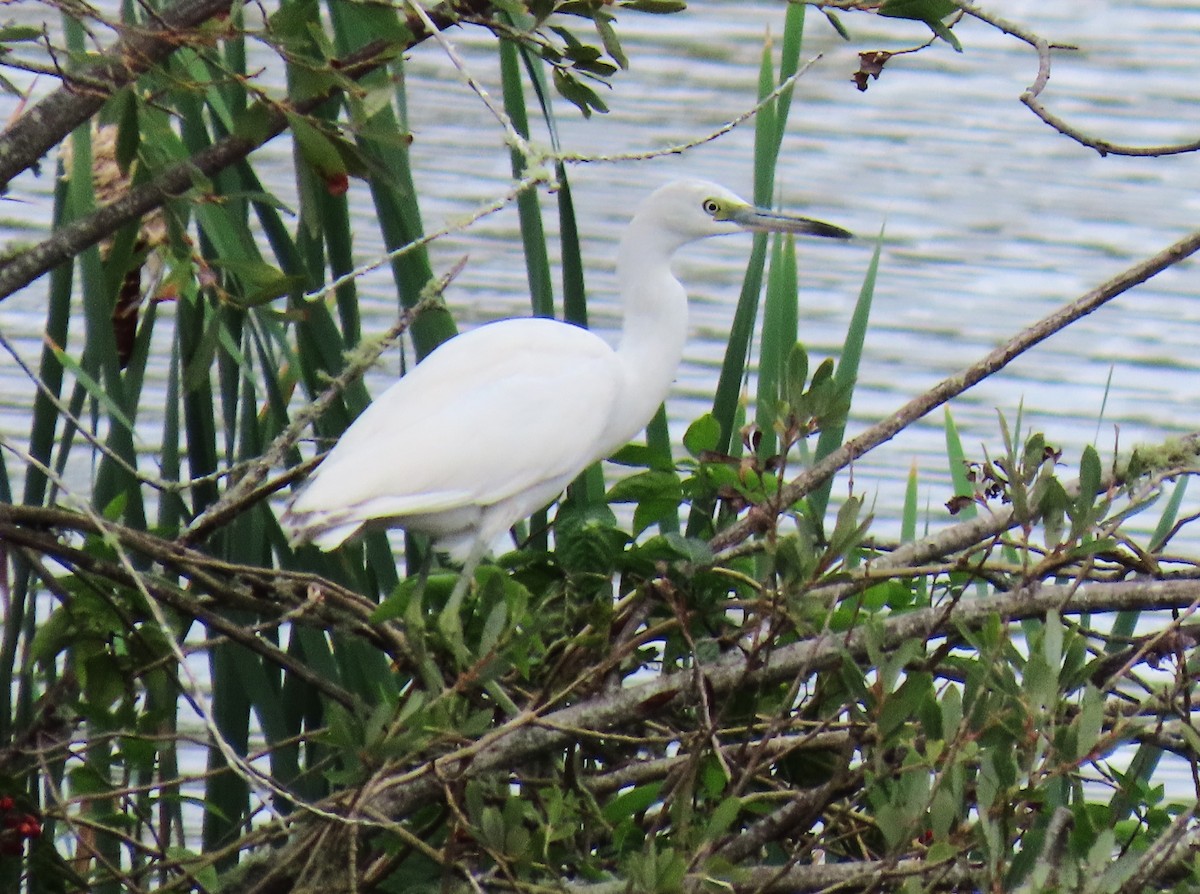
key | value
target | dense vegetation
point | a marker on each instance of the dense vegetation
(704, 673)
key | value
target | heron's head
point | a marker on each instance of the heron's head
(694, 209)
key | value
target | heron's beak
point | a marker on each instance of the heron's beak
(761, 220)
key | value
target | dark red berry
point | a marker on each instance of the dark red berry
(6, 803)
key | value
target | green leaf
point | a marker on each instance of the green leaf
(628, 804)
(654, 7)
(1034, 456)
(942, 851)
(53, 636)
(931, 12)
(597, 67)
(664, 512)
(657, 494)
(492, 828)
(1053, 506)
(908, 515)
(904, 704)
(1166, 522)
(129, 133)
(261, 282)
(847, 532)
(797, 374)
(197, 867)
(493, 628)
(943, 31)
(652, 484)
(703, 435)
(1040, 682)
(1089, 482)
(1090, 721)
(1052, 640)
(995, 775)
(608, 37)
(919, 10)
(254, 123)
(952, 710)
(722, 818)
(587, 538)
(93, 388)
(18, 33)
(638, 455)
(578, 93)
(88, 780)
(673, 546)
(317, 148)
(836, 24)
(103, 679)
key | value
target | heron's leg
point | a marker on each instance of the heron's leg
(454, 604)
(450, 620)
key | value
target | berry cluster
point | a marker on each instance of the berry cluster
(16, 827)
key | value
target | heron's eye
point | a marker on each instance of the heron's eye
(711, 207)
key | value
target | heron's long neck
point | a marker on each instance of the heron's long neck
(655, 324)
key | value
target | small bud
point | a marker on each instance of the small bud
(337, 184)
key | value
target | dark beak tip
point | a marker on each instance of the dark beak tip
(833, 232)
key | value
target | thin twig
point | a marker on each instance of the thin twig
(512, 136)
(680, 148)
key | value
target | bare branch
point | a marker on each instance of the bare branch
(46, 123)
(1032, 95)
(37, 130)
(216, 584)
(68, 241)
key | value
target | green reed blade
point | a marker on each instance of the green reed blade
(846, 377)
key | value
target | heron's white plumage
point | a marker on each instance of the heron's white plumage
(493, 424)
(471, 427)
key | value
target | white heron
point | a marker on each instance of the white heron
(495, 422)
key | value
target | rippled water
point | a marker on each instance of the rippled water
(992, 220)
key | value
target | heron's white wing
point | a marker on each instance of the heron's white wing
(489, 414)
